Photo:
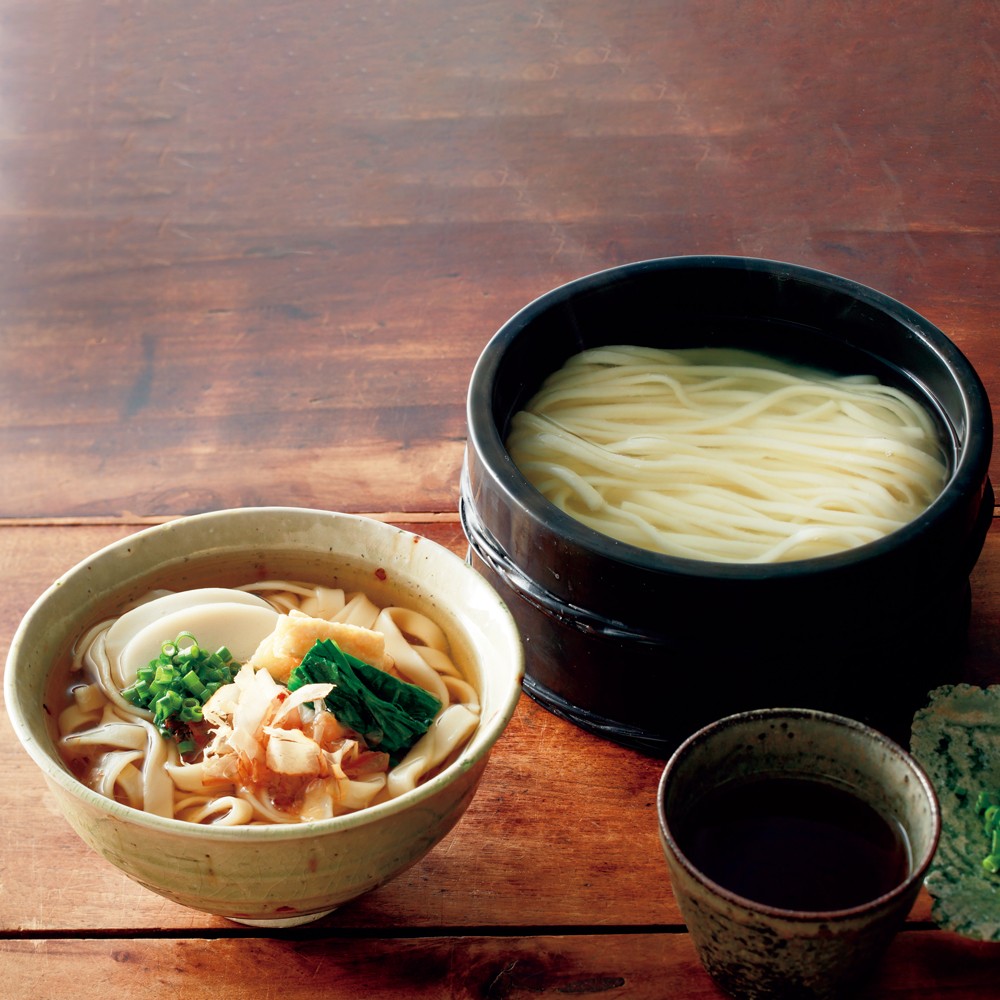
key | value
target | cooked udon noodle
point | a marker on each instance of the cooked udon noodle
(113, 746)
(726, 455)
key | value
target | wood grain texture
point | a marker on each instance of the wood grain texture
(647, 966)
(244, 251)
(251, 254)
(513, 861)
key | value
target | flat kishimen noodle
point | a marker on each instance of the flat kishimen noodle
(262, 743)
(726, 456)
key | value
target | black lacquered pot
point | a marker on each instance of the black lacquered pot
(645, 648)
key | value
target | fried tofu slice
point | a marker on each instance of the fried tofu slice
(295, 634)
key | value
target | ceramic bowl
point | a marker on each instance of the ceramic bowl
(754, 950)
(277, 875)
(645, 648)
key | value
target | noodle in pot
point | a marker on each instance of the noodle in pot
(271, 754)
(726, 456)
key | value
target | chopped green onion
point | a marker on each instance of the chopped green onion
(178, 682)
(190, 710)
(193, 683)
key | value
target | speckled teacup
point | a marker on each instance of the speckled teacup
(754, 950)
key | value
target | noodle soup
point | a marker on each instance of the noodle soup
(275, 874)
(727, 455)
(252, 738)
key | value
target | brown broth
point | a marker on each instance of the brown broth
(794, 843)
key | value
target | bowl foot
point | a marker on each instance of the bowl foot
(278, 922)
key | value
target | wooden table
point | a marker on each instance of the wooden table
(251, 251)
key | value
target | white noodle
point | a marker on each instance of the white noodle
(726, 456)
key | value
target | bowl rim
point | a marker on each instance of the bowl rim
(971, 464)
(473, 754)
(918, 866)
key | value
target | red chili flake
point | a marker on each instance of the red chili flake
(380, 573)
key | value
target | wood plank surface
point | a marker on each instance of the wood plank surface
(252, 251)
(512, 861)
(244, 250)
(645, 966)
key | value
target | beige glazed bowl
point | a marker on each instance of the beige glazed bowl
(288, 874)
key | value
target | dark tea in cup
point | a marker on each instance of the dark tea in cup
(797, 842)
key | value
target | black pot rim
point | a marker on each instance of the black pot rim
(970, 463)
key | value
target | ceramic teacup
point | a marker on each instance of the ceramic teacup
(771, 948)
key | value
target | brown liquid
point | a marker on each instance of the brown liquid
(794, 843)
